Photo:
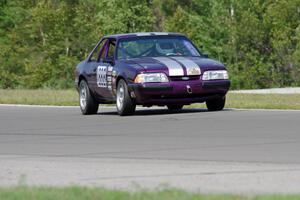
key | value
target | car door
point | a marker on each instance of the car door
(105, 71)
(94, 63)
(101, 67)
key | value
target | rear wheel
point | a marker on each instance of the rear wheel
(125, 104)
(175, 107)
(216, 104)
(88, 105)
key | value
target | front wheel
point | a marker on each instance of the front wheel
(216, 104)
(125, 104)
(88, 105)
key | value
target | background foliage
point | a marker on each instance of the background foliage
(42, 40)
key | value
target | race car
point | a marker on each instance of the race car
(163, 69)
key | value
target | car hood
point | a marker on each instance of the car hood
(176, 66)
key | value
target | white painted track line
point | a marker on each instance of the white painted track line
(154, 107)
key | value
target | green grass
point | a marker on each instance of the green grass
(70, 98)
(39, 97)
(264, 101)
(83, 193)
(260, 101)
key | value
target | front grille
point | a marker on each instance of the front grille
(184, 78)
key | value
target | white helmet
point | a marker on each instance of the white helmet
(165, 47)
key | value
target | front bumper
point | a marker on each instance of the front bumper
(178, 92)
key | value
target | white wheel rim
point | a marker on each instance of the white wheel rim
(120, 97)
(83, 96)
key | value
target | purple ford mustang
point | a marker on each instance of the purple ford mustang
(164, 69)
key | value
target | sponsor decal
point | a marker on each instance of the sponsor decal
(113, 82)
(175, 69)
(151, 33)
(143, 34)
(110, 68)
(160, 33)
(191, 67)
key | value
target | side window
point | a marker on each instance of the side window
(112, 47)
(99, 52)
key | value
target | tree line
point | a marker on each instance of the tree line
(41, 41)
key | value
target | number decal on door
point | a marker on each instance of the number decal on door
(101, 76)
(104, 76)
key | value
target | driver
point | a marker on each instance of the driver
(165, 47)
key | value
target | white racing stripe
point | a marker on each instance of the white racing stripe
(191, 67)
(175, 69)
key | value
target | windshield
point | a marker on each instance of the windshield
(155, 47)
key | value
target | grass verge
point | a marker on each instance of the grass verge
(82, 193)
(70, 98)
(39, 97)
(260, 101)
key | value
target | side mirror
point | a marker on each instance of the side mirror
(205, 55)
(109, 60)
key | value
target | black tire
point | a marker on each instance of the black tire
(175, 107)
(216, 104)
(88, 105)
(125, 104)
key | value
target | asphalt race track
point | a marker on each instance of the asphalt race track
(239, 151)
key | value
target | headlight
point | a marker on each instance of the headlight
(151, 78)
(214, 75)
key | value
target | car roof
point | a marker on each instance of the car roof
(142, 34)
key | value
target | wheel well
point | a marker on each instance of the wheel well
(119, 78)
(81, 77)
